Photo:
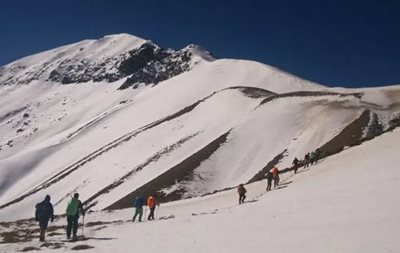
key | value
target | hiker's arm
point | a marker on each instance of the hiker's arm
(51, 213)
(36, 213)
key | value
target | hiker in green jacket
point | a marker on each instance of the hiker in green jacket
(73, 209)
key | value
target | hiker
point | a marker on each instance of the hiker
(44, 213)
(151, 203)
(242, 193)
(317, 155)
(313, 157)
(306, 160)
(275, 176)
(269, 180)
(295, 165)
(74, 207)
(138, 204)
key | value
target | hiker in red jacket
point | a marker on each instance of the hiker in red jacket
(151, 203)
(275, 175)
(242, 193)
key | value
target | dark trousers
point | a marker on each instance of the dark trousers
(151, 215)
(43, 223)
(276, 181)
(269, 184)
(72, 225)
(242, 197)
(138, 211)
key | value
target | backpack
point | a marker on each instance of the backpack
(42, 210)
(138, 202)
(241, 190)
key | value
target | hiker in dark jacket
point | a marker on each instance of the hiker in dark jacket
(73, 209)
(306, 160)
(317, 155)
(242, 193)
(269, 180)
(44, 213)
(313, 157)
(295, 165)
(138, 205)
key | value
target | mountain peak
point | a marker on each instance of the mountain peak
(87, 60)
(197, 50)
(122, 37)
(109, 58)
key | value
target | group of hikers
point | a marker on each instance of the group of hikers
(309, 159)
(273, 174)
(139, 203)
(45, 213)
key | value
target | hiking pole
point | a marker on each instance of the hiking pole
(83, 223)
(29, 234)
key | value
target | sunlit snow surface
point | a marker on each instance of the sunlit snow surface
(346, 203)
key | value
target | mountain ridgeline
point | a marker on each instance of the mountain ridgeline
(145, 64)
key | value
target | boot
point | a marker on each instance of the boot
(41, 238)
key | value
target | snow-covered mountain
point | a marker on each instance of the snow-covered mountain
(121, 116)
(108, 59)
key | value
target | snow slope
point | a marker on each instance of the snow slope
(346, 203)
(210, 128)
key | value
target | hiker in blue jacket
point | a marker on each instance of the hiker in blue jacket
(44, 212)
(138, 204)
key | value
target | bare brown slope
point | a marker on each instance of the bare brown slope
(270, 164)
(165, 151)
(350, 135)
(309, 94)
(178, 173)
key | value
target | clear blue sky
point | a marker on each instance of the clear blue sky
(337, 43)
